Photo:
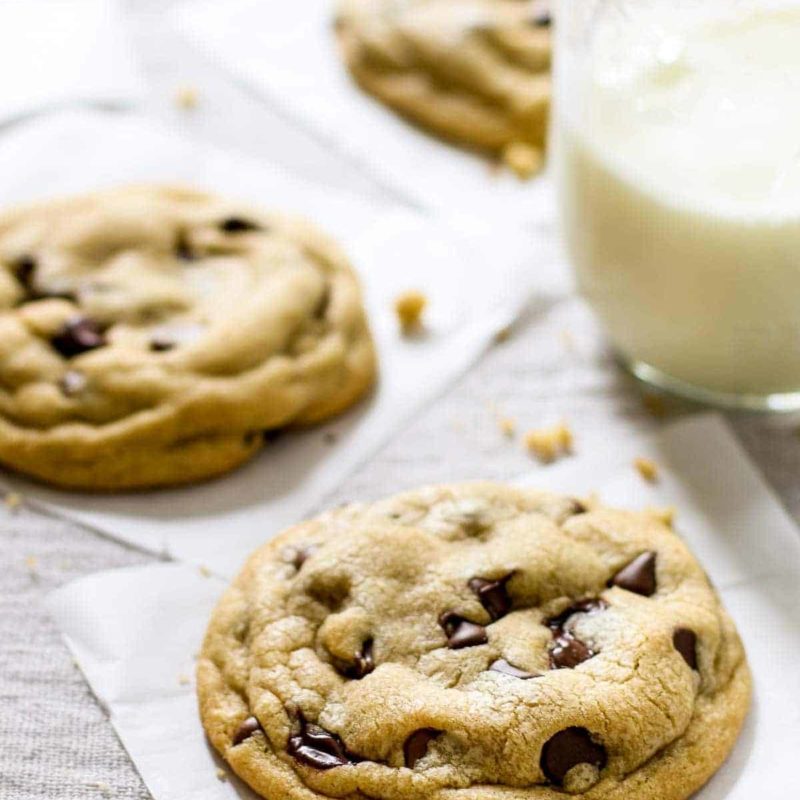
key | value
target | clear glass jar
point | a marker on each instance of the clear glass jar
(677, 138)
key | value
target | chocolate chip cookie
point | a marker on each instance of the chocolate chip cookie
(473, 642)
(476, 72)
(152, 335)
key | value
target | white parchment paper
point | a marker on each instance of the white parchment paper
(134, 632)
(288, 52)
(476, 275)
(54, 52)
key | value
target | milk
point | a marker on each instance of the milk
(679, 157)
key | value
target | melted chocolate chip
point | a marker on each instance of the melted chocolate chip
(78, 335)
(238, 225)
(639, 576)
(544, 19)
(161, 345)
(461, 632)
(685, 642)
(364, 662)
(566, 750)
(567, 650)
(183, 250)
(416, 746)
(501, 665)
(493, 595)
(324, 302)
(315, 747)
(576, 507)
(250, 726)
(72, 383)
(23, 268)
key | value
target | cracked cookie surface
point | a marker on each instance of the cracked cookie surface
(476, 72)
(150, 335)
(473, 642)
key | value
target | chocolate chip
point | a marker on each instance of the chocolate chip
(544, 19)
(567, 650)
(238, 225)
(501, 665)
(77, 336)
(576, 507)
(566, 750)
(324, 301)
(685, 642)
(364, 662)
(541, 16)
(159, 345)
(183, 250)
(639, 576)
(273, 434)
(250, 726)
(493, 595)
(315, 747)
(72, 383)
(416, 746)
(23, 268)
(461, 632)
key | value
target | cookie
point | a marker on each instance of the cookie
(151, 335)
(473, 642)
(476, 72)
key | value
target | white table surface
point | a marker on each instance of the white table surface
(55, 741)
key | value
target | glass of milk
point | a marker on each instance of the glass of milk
(677, 136)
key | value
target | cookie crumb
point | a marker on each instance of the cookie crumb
(507, 427)
(503, 335)
(655, 405)
(523, 159)
(568, 340)
(204, 571)
(184, 680)
(31, 562)
(647, 468)
(664, 514)
(409, 307)
(13, 501)
(548, 444)
(187, 98)
(222, 775)
(330, 437)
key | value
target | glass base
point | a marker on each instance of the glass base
(779, 402)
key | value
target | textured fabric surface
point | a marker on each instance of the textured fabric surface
(55, 741)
